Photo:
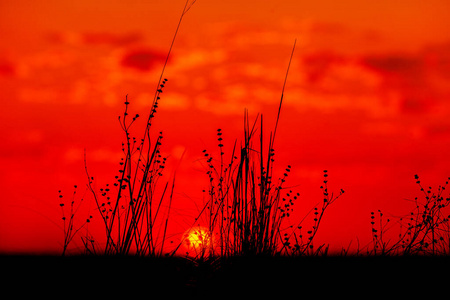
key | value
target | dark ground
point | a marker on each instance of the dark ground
(101, 277)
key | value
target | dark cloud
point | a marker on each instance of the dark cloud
(394, 63)
(431, 59)
(420, 79)
(416, 102)
(142, 59)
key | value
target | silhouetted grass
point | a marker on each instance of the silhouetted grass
(246, 209)
(425, 230)
(131, 210)
(247, 212)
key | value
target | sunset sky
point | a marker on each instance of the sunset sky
(367, 98)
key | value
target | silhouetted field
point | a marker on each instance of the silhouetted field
(103, 276)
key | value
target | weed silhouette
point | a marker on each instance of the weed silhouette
(425, 230)
(131, 210)
(248, 211)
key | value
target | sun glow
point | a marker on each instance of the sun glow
(197, 240)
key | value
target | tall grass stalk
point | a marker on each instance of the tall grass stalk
(135, 211)
(246, 209)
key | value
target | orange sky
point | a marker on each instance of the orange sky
(367, 99)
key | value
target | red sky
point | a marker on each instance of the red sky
(366, 99)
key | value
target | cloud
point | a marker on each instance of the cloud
(400, 64)
(142, 59)
(83, 74)
(93, 38)
(317, 64)
(331, 72)
(374, 106)
(242, 67)
(323, 79)
(198, 58)
(421, 79)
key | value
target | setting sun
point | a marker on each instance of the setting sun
(197, 240)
